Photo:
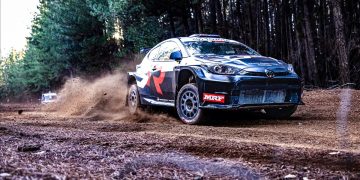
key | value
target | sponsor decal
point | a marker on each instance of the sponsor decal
(157, 80)
(216, 98)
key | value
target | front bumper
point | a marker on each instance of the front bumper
(251, 92)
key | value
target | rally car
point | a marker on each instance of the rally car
(202, 72)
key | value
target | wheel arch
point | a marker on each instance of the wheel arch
(185, 76)
(130, 80)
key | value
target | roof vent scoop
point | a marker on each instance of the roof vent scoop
(206, 35)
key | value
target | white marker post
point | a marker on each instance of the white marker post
(342, 118)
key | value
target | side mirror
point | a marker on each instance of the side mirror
(177, 56)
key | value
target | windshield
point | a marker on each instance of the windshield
(218, 48)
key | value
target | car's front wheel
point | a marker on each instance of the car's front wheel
(188, 105)
(280, 113)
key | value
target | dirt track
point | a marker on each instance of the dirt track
(314, 143)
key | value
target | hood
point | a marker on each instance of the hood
(248, 63)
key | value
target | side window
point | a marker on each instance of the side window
(154, 54)
(166, 49)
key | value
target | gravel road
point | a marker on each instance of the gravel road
(320, 141)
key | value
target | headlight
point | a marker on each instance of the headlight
(291, 68)
(222, 69)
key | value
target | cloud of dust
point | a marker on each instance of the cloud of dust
(100, 99)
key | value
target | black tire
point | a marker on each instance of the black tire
(134, 104)
(187, 105)
(280, 113)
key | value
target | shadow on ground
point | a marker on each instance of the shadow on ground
(220, 118)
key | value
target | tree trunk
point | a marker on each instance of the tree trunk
(198, 15)
(298, 58)
(225, 22)
(267, 29)
(309, 47)
(239, 21)
(340, 43)
(196, 19)
(219, 17)
(249, 24)
(213, 16)
(172, 25)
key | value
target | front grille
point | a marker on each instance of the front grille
(263, 73)
(267, 84)
(262, 96)
(250, 90)
(282, 73)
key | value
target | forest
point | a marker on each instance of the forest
(72, 38)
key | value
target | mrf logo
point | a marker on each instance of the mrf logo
(216, 98)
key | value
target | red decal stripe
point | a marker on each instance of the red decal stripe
(159, 80)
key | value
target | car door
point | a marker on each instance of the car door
(145, 72)
(163, 72)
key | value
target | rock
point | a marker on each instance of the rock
(29, 148)
(105, 144)
(335, 153)
(290, 176)
(40, 153)
(5, 175)
(217, 160)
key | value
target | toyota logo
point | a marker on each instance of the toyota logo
(269, 74)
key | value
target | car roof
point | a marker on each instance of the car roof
(206, 37)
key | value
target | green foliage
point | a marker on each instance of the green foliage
(139, 28)
(76, 38)
(19, 77)
(139, 35)
(67, 39)
(72, 38)
(11, 74)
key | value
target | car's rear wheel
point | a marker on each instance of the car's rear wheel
(280, 113)
(188, 105)
(134, 99)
